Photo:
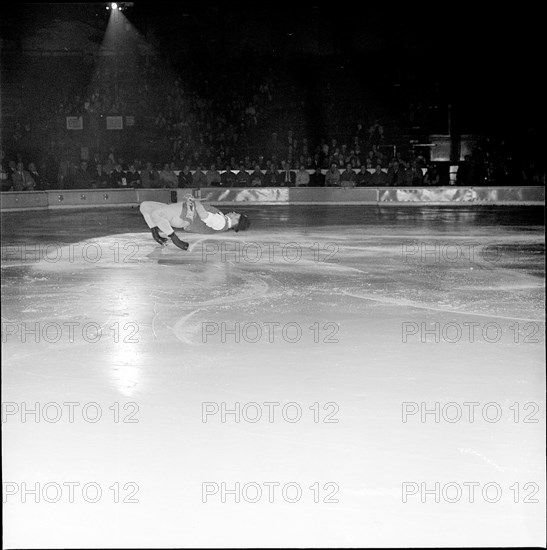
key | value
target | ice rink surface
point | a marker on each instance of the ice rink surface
(349, 374)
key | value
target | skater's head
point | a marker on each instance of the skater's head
(237, 221)
(243, 224)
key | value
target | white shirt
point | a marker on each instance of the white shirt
(302, 178)
(215, 221)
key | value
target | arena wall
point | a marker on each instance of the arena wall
(385, 196)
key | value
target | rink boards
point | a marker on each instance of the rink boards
(412, 196)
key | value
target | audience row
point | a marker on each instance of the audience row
(16, 177)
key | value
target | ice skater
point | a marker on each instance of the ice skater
(192, 216)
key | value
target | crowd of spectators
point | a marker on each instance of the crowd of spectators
(173, 114)
(197, 132)
(330, 166)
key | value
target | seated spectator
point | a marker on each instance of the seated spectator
(432, 176)
(347, 178)
(168, 178)
(371, 158)
(257, 178)
(302, 177)
(133, 177)
(332, 177)
(363, 177)
(242, 178)
(100, 178)
(66, 174)
(5, 178)
(466, 174)
(380, 157)
(420, 160)
(379, 178)
(250, 114)
(95, 161)
(271, 177)
(288, 177)
(39, 182)
(8, 168)
(110, 165)
(185, 177)
(21, 179)
(213, 177)
(317, 179)
(228, 178)
(359, 156)
(12, 168)
(414, 176)
(376, 133)
(199, 177)
(117, 177)
(532, 174)
(194, 161)
(400, 159)
(149, 176)
(83, 179)
(395, 175)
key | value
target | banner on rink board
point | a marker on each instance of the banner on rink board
(486, 195)
(265, 194)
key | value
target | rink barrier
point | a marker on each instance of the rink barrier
(13, 201)
(384, 196)
(463, 195)
(79, 198)
(89, 198)
(27, 200)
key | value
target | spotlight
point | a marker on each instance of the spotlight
(114, 6)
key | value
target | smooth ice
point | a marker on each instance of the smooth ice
(357, 282)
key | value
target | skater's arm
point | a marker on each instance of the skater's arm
(202, 213)
(214, 221)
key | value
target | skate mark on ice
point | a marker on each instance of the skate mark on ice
(184, 333)
(486, 459)
(409, 303)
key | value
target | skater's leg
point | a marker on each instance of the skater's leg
(162, 217)
(156, 214)
(147, 208)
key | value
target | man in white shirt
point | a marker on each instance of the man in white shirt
(302, 177)
(287, 175)
(192, 216)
